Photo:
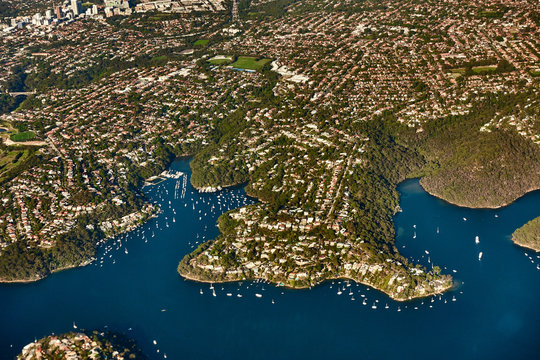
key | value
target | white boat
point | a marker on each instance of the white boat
(239, 295)
(480, 256)
(213, 292)
(155, 342)
(339, 292)
(373, 306)
(74, 326)
(477, 240)
(464, 219)
(258, 295)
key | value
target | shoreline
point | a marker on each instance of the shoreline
(217, 188)
(492, 207)
(528, 247)
(188, 277)
(67, 267)
(86, 262)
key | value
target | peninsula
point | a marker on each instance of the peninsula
(321, 108)
(528, 235)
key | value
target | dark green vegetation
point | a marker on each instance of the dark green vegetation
(482, 67)
(18, 263)
(479, 169)
(221, 174)
(6, 9)
(270, 9)
(9, 103)
(528, 235)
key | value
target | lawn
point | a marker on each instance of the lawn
(23, 136)
(484, 69)
(201, 42)
(250, 63)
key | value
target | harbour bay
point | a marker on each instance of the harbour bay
(137, 291)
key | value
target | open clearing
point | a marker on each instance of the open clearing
(250, 63)
(23, 136)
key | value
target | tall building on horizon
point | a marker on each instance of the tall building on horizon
(76, 7)
(58, 12)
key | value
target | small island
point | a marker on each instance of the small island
(82, 345)
(528, 235)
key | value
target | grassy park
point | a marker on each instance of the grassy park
(250, 63)
(23, 136)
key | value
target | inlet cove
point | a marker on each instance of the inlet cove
(133, 288)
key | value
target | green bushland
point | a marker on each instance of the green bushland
(23, 136)
(477, 169)
(528, 235)
(9, 103)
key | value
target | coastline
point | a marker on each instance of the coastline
(528, 235)
(525, 246)
(218, 188)
(88, 261)
(489, 207)
(67, 267)
(190, 277)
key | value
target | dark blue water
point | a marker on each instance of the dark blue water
(495, 315)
